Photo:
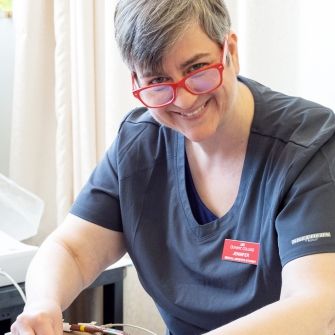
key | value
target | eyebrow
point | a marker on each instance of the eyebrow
(193, 59)
(182, 66)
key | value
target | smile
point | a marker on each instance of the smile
(195, 113)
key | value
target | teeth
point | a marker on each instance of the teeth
(197, 111)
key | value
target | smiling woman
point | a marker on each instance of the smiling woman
(189, 180)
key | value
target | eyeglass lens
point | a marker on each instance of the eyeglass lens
(203, 81)
(157, 95)
(200, 82)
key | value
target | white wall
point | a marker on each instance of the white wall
(288, 45)
(6, 89)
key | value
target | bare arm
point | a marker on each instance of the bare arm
(306, 307)
(67, 262)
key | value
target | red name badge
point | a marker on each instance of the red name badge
(241, 251)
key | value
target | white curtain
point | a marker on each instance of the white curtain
(71, 91)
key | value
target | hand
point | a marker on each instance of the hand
(43, 318)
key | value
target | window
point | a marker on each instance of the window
(5, 8)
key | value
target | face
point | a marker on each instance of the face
(197, 117)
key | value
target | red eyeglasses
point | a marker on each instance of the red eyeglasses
(202, 81)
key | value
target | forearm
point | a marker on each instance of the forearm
(54, 275)
(67, 262)
(292, 316)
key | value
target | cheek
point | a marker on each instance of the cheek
(229, 88)
(220, 95)
(158, 114)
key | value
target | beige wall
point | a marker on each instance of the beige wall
(139, 309)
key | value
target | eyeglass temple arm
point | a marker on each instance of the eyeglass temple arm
(134, 81)
(225, 50)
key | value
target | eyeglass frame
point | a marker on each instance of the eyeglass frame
(181, 83)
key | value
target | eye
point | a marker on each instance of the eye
(157, 80)
(196, 67)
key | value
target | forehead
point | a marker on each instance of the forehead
(194, 41)
(190, 46)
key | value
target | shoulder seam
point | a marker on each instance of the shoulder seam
(278, 139)
(143, 122)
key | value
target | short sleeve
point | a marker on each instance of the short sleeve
(98, 201)
(306, 222)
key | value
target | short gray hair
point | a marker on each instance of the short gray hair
(146, 29)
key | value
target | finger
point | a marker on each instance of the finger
(15, 330)
(46, 328)
(58, 328)
(24, 327)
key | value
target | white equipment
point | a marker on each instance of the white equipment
(20, 215)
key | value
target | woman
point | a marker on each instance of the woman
(220, 189)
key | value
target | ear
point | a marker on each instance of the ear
(233, 51)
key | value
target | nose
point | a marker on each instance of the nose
(184, 99)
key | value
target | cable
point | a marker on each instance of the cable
(104, 329)
(5, 274)
(111, 325)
